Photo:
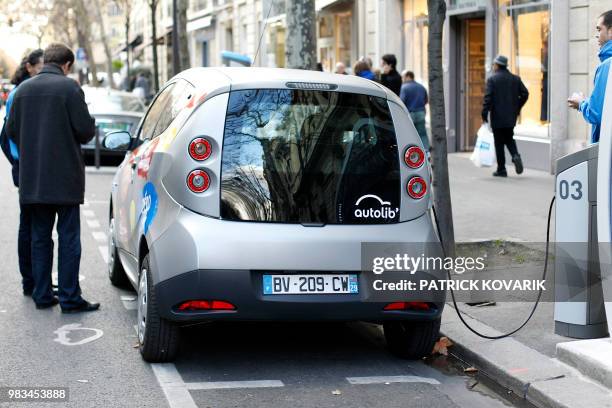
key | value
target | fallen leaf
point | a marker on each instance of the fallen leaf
(336, 392)
(470, 370)
(441, 346)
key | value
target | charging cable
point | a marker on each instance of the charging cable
(535, 305)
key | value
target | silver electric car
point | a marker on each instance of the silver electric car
(246, 194)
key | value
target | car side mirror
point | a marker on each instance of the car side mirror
(118, 140)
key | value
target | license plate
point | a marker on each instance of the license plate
(309, 284)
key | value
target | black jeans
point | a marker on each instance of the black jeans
(69, 253)
(504, 137)
(24, 248)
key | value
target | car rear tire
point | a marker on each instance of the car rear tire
(411, 340)
(158, 338)
(116, 273)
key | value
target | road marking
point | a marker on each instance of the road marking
(93, 223)
(104, 251)
(224, 385)
(99, 236)
(392, 379)
(89, 213)
(172, 385)
(62, 334)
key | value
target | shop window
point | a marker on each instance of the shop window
(524, 31)
(276, 45)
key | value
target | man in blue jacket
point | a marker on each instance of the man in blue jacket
(592, 107)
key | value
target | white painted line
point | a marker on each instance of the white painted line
(172, 385)
(392, 379)
(93, 224)
(104, 251)
(89, 213)
(224, 385)
(64, 331)
(99, 236)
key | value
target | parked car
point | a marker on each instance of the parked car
(247, 194)
(113, 110)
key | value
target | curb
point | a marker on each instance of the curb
(593, 358)
(542, 381)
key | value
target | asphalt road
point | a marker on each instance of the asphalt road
(221, 365)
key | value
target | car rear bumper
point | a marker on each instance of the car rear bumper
(244, 289)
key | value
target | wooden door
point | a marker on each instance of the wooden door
(474, 79)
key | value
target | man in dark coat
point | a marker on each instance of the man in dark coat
(390, 77)
(505, 96)
(48, 122)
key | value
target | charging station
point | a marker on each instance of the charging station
(583, 287)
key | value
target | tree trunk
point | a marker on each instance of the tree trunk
(185, 63)
(301, 40)
(441, 186)
(153, 6)
(104, 39)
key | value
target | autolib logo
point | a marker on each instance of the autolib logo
(384, 210)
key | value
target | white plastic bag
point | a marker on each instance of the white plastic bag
(484, 150)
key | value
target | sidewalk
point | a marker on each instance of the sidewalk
(515, 209)
(490, 208)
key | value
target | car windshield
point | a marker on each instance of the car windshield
(298, 156)
(113, 103)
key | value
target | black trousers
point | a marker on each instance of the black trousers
(24, 248)
(504, 137)
(69, 253)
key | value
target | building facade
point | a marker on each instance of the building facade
(536, 36)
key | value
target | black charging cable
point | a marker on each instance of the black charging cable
(535, 305)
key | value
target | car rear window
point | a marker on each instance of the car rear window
(309, 157)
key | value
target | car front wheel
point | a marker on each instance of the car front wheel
(116, 273)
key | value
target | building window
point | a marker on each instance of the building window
(335, 38)
(276, 45)
(524, 31)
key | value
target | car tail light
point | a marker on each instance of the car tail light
(198, 181)
(414, 157)
(417, 187)
(206, 305)
(408, 306)
(200, 149)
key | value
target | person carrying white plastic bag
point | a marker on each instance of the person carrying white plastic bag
(484, 150)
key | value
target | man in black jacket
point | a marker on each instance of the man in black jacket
(505, 96)
(49, 120)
